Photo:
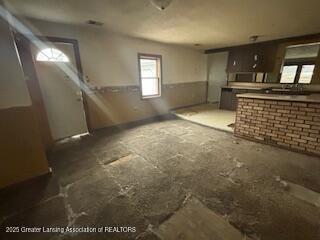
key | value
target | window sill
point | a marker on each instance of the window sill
(150, 97)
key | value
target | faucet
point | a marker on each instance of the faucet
(297, 87)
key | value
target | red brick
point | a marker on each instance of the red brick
(295, 128)
(316, 127)
(284, 103)
(284, 137)
(301, 133)
(314, 114)
(309, 138)
(293, 135)
(291, 142)
(306, 109)
(313, 123)
(298, 104)
(311, 130)
(299, 140)
(307, 145)
(282, 118)
(304, 117)
(299, 112)
(283, 111)
(302, 125)
(314, 105)
(296, 120)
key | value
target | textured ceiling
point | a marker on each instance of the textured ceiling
(211, 23)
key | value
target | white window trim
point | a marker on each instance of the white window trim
(50, 58)
(159, 61)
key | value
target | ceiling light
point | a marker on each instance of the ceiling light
(161, 4)
(93, 22)
(253, 38)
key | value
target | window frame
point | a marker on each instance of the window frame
(54, 60)
(295, 76)
(158, 58)
(298, 72)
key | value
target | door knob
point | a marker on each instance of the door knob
(79, 96)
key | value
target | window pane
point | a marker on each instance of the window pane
(148, 68)
(150, 86)
(42, 57)
(150, 76)
(306, 73)
(51, 55)
(288, 74)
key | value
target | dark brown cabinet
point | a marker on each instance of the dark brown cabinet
(252, 58)
(226, 100)
(229, 100)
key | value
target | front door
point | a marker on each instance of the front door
(60, 88)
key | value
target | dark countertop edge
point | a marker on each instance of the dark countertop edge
(265, 88)
(288, 98)
(252, 88)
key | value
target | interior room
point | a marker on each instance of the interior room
(160, 119)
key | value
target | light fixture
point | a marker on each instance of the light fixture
(253, 38)
(161, 4)
(93, 22)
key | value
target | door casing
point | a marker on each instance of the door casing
(23, 44)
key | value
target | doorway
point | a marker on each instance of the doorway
(60, 86)
(217, 76)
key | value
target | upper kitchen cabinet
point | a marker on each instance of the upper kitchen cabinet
(252, 58)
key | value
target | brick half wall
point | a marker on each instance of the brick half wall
(292, 125)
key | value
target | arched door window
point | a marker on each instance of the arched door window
(51, 55)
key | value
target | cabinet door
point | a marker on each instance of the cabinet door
(226, 99)
(252, 58)
(262, 57)
(269, 57)
(240, 59)
(234, 61)
(255, 62)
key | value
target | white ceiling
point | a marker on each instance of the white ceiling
(211, 23)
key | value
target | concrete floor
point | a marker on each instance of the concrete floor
(145, 177)
(208, 115)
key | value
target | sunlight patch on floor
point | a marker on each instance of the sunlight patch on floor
(209, 115)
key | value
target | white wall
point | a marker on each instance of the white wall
(13, 89)
(110, 59)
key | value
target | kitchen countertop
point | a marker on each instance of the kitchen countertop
(240, 87)
(272, 89)
(314, 98)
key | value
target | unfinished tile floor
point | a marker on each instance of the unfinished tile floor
(156, 176)
(208, 115)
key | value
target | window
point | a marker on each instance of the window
(150, 75)
(288, 74)
(51, 55)
(306, 73)
(297, 73)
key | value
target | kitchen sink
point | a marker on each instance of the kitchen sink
(287, 91)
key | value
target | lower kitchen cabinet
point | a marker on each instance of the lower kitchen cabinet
(229, 100)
